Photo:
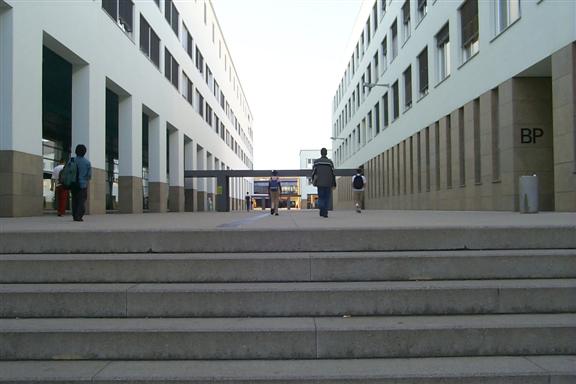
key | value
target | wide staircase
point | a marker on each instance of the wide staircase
(424, 315)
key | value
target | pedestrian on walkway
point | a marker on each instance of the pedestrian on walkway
(80, 192)
(324, 179)
(358, 185)
(274, 191)
(248, 201)
(60, 193)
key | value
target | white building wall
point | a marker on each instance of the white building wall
(104, 55)
(544, 27)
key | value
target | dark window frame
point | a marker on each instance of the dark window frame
(423, 78)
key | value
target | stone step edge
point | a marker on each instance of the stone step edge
(287, 267)
(287, 299)
(321, 371)
(311, 324)
(288, 255)
(444, 238)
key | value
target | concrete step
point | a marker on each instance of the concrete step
(432, 237)
(287, 338)
(462, 370)
(288, 299)
(277, 266)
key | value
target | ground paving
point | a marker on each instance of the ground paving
(291, 220)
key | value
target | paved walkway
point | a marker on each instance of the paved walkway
(293, 220)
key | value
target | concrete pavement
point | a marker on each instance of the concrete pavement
(293, 219)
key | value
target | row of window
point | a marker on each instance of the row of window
(122, 11)
(468, 17)
(173, 18)
(505, 13)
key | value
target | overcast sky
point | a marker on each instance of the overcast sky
(288, 55)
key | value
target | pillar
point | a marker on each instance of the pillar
(20, 116)
(157, 184)
(189, 183)
(176, 191)
(564, 122)
(130, 156)
(88, 118)
(201, 201)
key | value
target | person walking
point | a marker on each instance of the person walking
(358, 185)
(61, 193)
(274, 191)
(248, 200)
(80, 192)
(324, 179)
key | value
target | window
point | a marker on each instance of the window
(362, 45)
(209, 78)
(377, 117)
(368, 75)
(208, 114)
(149, 42)
(171, 68)
(368, 32)
(121, 11)
(423, 72)
(382, 7)
(469, 25)
(406, 19)
(506, 12)
(187, 88)
(408, 87)
(199, 104)
(172, 16)
(187, 41)
(375, 62)
(395, 101)
(370, 132)
(384, 46)
(385, 107)
(199, 61)
(422, 9)
(216, 89)
(394, 33)
(443, 52)
(375, 16)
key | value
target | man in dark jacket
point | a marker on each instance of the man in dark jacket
(323, 178)
(80, 193)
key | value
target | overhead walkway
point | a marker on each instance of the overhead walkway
(223, 179)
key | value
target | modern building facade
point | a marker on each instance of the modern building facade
(148, 86)
(447, 103)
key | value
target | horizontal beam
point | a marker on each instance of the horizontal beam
(262, 173)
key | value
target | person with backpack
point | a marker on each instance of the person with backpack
(79, 189)
(324, 179)
(358, 185)
(60, 191)
(274, 191)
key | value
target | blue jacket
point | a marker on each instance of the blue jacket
(84, 171)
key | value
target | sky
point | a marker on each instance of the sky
(289, 56)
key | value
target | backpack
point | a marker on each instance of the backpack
(68, 176)
(358, 182)
(273, 184)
